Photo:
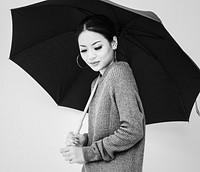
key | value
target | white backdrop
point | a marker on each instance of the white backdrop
(33, 128)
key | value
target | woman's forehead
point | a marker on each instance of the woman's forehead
(90, 38)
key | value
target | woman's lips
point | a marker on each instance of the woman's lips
(94, 63)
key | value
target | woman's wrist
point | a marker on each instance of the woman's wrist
(85, 135)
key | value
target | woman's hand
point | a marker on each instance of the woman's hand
(73, 150)
(73, 154)
(76, 139)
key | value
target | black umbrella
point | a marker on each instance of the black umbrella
(44, 45)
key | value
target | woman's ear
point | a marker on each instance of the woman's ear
(114, 43)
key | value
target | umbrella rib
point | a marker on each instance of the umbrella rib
(145, 34)
(74, 30)
(67, 86)
(28, 47)
(146, 50)
(120, 25)
(85, 11)
(153, 55)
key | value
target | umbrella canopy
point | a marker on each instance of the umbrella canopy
(44, 45)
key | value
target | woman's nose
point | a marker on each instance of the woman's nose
(91, 55)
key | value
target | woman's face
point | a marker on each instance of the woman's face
(95, 50)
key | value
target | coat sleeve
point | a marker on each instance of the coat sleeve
(131, 129)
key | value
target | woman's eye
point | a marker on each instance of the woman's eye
(98, 48)
(83, 51)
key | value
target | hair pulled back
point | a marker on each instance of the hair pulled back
(99, 24)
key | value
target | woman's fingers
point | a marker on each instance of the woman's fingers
(73, 151)
(65, 149)
(71, 143)
(70, 134)
(67, 152)
(72, 139)
(73, 154)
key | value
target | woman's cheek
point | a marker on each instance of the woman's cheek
(83, 57)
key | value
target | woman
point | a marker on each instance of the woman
(116, 134)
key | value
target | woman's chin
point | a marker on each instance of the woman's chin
(95, 68)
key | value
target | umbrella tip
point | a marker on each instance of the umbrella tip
(197, 108)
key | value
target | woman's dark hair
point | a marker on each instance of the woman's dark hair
(99, 24)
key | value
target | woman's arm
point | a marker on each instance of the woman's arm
(131, 130)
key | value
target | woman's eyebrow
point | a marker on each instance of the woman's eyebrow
(92, 44)
(96, 42)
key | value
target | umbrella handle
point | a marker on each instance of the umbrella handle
(87, 106)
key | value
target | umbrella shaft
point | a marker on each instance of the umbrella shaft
(86, 107)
